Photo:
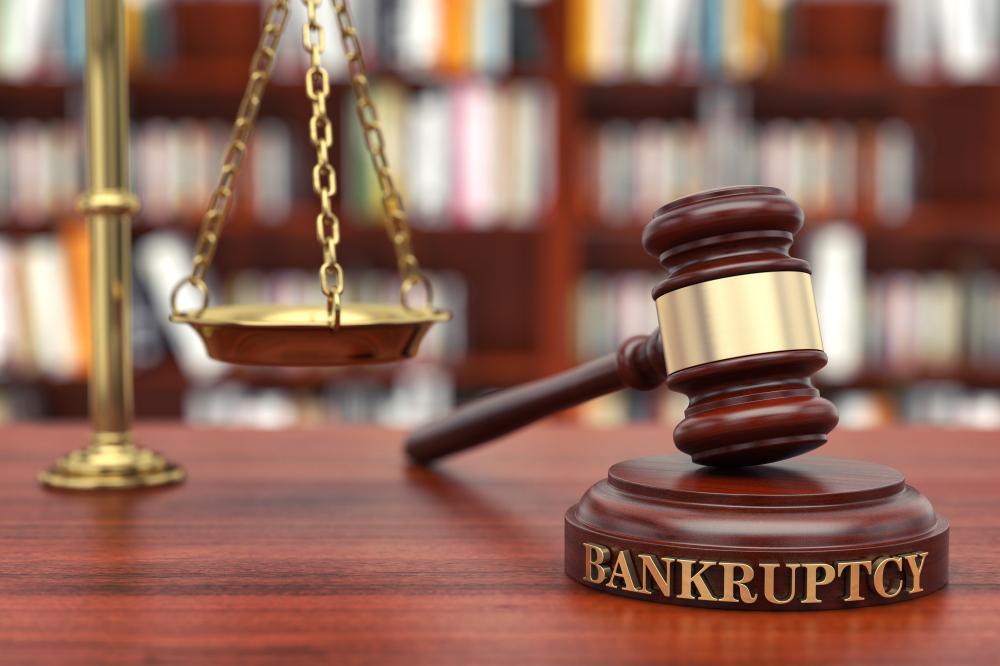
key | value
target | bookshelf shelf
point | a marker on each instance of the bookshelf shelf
(36, 100)
(293, 245)
(635, 100)
(881, 379)
(176, 92)
(159, 390)
(804, 94)
(214, 89)
(835, 67)
(953, 236)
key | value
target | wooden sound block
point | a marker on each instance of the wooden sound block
(813, 533)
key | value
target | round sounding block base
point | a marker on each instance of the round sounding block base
(812, 533)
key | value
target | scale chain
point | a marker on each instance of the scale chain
(221, 201)
(324, 176)
(396, 222)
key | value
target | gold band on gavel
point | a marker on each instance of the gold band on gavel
(738, 316)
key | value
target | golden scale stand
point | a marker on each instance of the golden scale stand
(335, 335)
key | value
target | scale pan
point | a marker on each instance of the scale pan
(294, 335)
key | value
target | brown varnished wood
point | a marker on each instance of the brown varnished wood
(811, 509)
(813, 481)
(322, 546)
(637, 364)
(742, 411)
(721, 233)
(754, 409)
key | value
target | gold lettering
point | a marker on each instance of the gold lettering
(660, 577)
(878, 576)
(853, 583)
(689, 578)
(915, 570)
(729, 582)
(769, 571)
(595, 557)
(625, 570)
(738, 577)
(813, 581)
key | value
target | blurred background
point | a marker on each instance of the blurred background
(532, 140)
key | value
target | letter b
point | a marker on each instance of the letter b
(595, 558)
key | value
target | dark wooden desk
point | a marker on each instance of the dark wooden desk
(320, 546)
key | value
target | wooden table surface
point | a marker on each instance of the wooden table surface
(322, 546)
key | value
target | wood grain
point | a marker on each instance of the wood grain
(317, 546)
(809, 509)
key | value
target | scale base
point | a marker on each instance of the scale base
(112, 461)
(807, 534)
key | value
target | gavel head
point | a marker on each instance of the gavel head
(739, 326)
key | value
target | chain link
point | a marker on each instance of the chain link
(221, 201)
(396, 222)
(324, 177)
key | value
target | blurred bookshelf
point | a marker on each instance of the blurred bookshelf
(533, 139)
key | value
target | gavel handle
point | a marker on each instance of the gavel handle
(638, 364)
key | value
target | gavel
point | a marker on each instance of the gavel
(740, 336)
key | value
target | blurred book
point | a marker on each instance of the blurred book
(939, 404)
(612, 307)
(38, 40)
(912, 325)
(896, 329)
(955, 41)
(15, 353)
(45, 324)
(44, 310)
(45, 39)
(162, 259)
(833, 169)
(836, 253)
(175, 164)
(475, 155)
(48, 174)
(21, 403)
(416, 392)
(427, 38)
(740, 40)
(660, 40)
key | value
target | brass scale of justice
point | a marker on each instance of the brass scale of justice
(340, 334)
(742, 341)
(287, 335)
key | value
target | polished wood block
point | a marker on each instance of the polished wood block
(814, 533)
(321, 545)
